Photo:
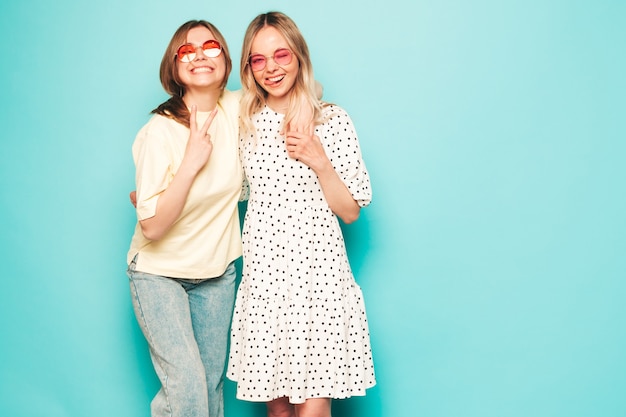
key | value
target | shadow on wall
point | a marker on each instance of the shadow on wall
(369, 405)
(358, 237)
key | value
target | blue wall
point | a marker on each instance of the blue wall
(492, 258)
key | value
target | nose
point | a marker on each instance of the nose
(271, 65)
(199, 53)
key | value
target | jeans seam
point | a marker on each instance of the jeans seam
(149, 334)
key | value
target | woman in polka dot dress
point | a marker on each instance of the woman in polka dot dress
(299, 334)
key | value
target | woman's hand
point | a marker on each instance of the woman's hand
(199, 145)
(307, 148)
(172, 200)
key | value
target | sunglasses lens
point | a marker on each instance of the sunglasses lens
(257, 62)
(282, 57)
(211, 48)
(186, 53)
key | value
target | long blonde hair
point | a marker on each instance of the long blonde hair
(305, 94)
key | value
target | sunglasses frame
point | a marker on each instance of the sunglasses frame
(191, 56)
(266, 58)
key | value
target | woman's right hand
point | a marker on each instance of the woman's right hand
(171, 201)
(199, 145)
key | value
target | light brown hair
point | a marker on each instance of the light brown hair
(175, 107)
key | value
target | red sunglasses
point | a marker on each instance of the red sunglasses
(187, 52)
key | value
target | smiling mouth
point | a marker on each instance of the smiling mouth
(276, 79)
(202, 69)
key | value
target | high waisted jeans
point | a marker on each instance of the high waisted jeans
(186, 324)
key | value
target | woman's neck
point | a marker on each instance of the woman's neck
(205, 100)
(279, 105)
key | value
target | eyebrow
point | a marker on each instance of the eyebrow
(277, 49)
(203, 42)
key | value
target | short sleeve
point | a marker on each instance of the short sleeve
(153, 167)
(342, 147)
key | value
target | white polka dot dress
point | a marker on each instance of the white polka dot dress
(299, 328)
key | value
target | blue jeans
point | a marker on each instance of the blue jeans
(186, 324)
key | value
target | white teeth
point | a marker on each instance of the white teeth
(202, 69)
(276, 79)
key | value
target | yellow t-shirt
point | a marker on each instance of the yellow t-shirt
(206, 237)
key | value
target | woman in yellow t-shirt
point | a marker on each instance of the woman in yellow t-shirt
(180, 263)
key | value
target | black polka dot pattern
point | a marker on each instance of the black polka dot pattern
(299, 328)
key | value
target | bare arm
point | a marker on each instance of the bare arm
(172, 200)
